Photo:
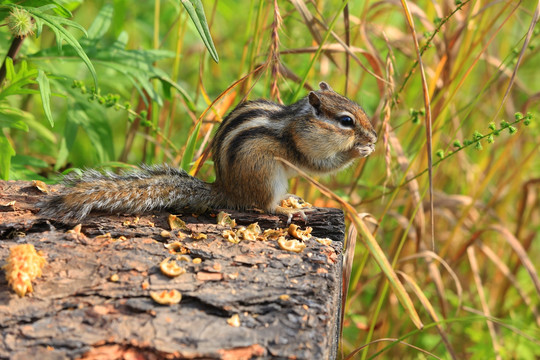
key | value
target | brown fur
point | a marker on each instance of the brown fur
(308, 134)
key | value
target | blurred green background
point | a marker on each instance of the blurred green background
(158, 88)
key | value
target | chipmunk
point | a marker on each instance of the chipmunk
(320, 134)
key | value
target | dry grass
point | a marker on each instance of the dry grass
(442, 82)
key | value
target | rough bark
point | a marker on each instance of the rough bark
(287, 302)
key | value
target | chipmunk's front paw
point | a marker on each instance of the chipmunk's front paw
(292, 201)
(292, 205)
(290, 213)
(302, 213)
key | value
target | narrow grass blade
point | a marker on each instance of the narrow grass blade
(187, 157)
(508, 273)
(45, 93)
(523, 202)
(427, 105)
(196, 13)
(6, 152)
(381, 260)
(348, 258)
(432, 255)
(395, 342)
(534, 21)
(431, 311)
(480, 288)
(414, 187)
(508, 325)
(312, 24)
(372, 245)
(521, 253)
(187, 98)
(296, 94)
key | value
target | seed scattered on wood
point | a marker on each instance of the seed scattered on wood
(234, 320)
(166, 297)
(171, 269)
(291, 245)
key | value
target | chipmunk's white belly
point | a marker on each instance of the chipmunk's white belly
(280, 183)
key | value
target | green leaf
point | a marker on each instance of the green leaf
(190, 148)
(6, 122)
(101, 23)
(25, 160)
(10, 70)
(21, 172)
(54, 5)
(196, 13)
(166, 81)
(96, 127)
(61, 10)
(68, 140)
(45, 92)
(56, 24)
(11, 117)
(62, 156)
(136, 65)
(17, 80)
(43, 132)
(6, 152)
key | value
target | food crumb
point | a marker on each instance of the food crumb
(24, 265)
(234, 320)
(166, 297)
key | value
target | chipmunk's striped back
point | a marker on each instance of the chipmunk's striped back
(321, 133)
(248, 120)
(310, 134)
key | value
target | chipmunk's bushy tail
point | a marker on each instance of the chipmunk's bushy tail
(149, 188)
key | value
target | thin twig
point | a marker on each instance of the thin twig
(12, 53)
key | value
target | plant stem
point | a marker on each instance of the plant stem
(12, 53)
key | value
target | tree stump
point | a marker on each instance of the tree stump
(93, 302)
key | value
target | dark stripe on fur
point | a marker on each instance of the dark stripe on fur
(243, 137)
(231, 124)
(294, 153)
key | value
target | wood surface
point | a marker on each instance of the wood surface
(287, 302)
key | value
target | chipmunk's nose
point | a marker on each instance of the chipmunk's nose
(374, 136)
(370, 136)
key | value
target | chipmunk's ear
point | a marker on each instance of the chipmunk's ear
(324, 86)
(314, 101)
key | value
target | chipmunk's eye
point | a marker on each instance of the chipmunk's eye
(346, 121)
